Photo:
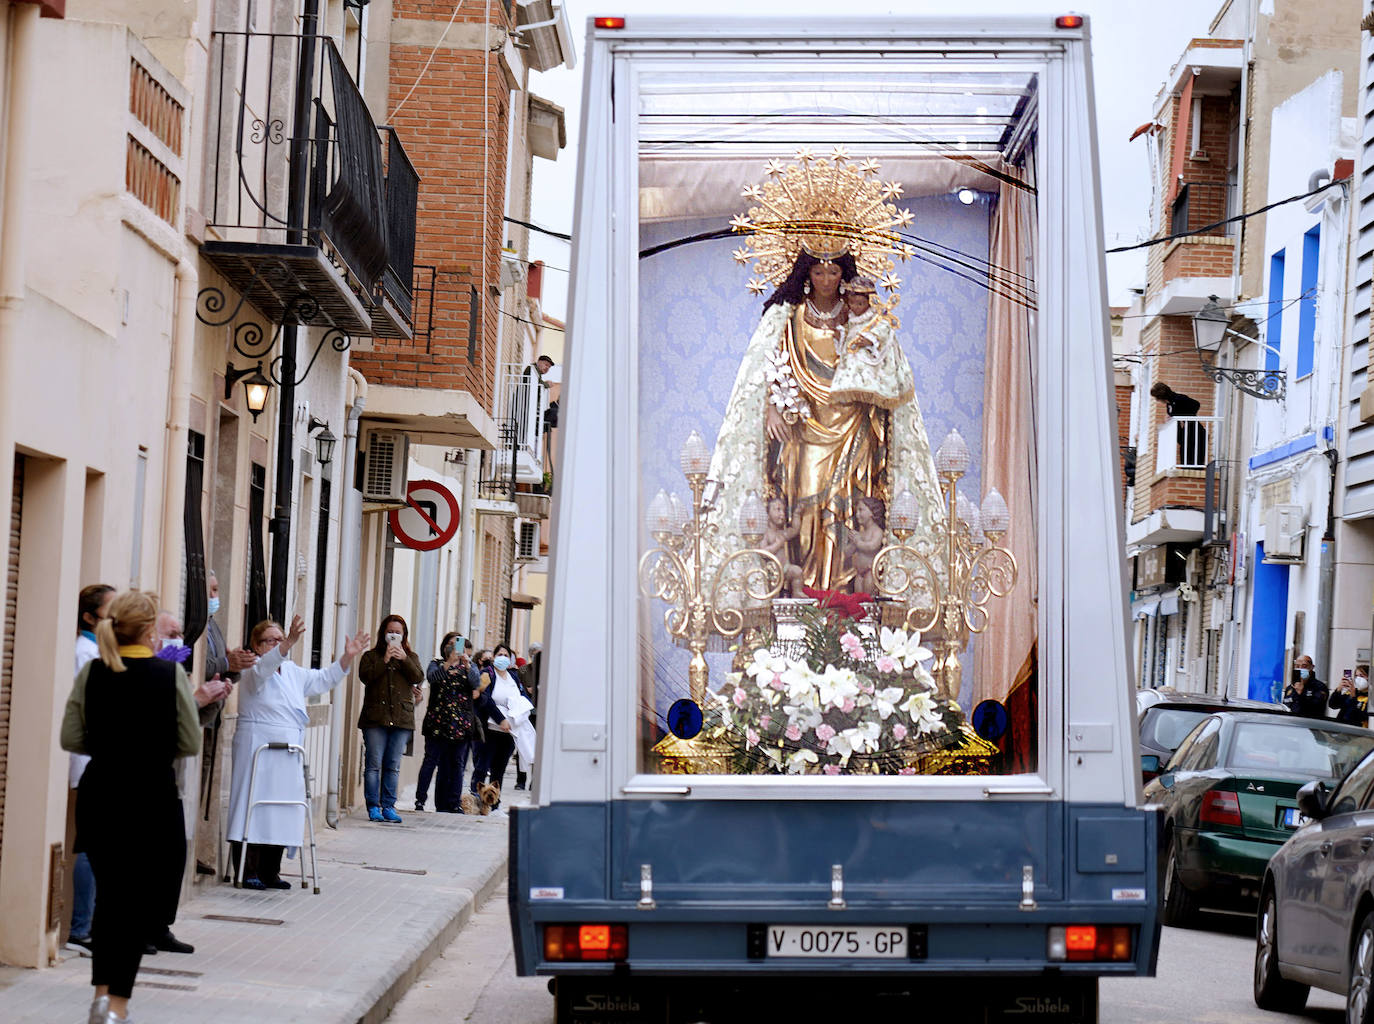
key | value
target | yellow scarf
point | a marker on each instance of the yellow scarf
(135, 651)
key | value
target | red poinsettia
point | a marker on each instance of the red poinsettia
(845, 605)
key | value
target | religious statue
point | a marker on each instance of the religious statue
(823, 411)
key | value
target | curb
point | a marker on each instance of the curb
(373, 1009)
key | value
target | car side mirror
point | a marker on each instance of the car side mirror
(1149, 766)
(1312, 799)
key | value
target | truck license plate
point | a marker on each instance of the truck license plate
(842, 943)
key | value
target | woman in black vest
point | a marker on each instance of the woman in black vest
(134, 714)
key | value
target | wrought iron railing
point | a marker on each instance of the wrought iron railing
(402, 197)
(253, 113)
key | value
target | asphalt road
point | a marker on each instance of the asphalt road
(1203, 978)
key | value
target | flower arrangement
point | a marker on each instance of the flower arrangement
(856, 703)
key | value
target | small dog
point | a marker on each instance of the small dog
(490, 795)
(470, 805)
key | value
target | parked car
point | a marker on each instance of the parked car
(1167, 716)
(1316, 911)
(1229, 795)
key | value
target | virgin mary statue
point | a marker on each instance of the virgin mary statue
(787, 433)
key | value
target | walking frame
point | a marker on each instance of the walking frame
(304, 804)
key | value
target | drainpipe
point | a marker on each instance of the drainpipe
(21, 27)
(467, 542)
(345, 607)
(178, 423)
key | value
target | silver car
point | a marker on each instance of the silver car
(1316, 912)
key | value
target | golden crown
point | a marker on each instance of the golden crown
(825, 207)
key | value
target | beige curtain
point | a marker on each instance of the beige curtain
(1004, 651)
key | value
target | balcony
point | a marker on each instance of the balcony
(1185, 443)
(520, 417)
(311, 215)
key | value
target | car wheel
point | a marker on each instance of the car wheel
(1272, 990)
(1359, 1000)
(1180, 905)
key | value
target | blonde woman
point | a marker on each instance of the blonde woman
(134, 715)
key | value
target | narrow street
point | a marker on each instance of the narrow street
(474, 981)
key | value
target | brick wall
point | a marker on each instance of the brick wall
(1175, 361)
(446, 126)
(1123, 425)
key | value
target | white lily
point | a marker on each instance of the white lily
(835, 685)
(904, 648)
(885, 701)
(799, 759)
(766, 664)
(863, 737)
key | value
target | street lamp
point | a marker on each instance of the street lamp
(255, 387)
(1211, 325)
(324, 443)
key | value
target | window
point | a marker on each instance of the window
(1298, 748)
(834, 176)
(1202, 752)
(1273, 324)
(1307, 302)
(1168, 727)
(1355, 790)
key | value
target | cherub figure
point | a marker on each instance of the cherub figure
(778, 536)
(862, 545)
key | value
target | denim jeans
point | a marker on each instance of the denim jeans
(382, 750)
(83, 900)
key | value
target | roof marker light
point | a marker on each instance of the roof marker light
(620, 22)
(1069, 21)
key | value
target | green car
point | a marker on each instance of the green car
(1229, 795)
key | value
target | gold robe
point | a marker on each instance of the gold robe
(836, 455)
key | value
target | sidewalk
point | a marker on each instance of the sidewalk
(391, 898)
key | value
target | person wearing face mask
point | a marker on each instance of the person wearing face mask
(1351, 698)
(391, 677)
(272, 709)
(1306, 695)
(506, 704)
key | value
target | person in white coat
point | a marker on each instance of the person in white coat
(272, 709)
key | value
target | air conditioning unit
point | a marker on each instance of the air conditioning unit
(384, 468)
(527, 541)
(1285, 529)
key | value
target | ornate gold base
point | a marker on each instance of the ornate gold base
(971, 755)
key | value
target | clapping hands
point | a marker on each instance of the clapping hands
(212, 690)
(353, 646)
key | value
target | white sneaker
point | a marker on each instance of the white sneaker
(100, 1010)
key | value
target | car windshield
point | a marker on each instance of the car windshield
(1297, 747)
(1165, 728)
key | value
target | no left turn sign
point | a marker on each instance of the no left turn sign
(430, 518)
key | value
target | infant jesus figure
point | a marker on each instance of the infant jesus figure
(777, 538)
(863, 544)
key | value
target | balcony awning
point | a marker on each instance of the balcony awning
(275, 277)
(519, 600)
(439, 416)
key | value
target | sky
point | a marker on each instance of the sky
(1134, 45)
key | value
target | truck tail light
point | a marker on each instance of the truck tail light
(1110, 943)
(586, 942)
(1220, 807)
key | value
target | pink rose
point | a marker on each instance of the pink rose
(751, 736)
(777, 683)
(793, 733)
(899, 732)
(739, 697)
(825, 733)
(866, 689)
(848, 705)
(907, 771)
(853, 646)
(765, 721)
(886, 663)
(832, 769)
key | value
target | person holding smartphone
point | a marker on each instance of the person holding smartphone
(1350, 698)
(391, 677)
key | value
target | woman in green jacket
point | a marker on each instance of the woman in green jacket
(391, 676)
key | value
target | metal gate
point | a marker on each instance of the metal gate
(7, 643)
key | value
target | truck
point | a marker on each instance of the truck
(837, 711)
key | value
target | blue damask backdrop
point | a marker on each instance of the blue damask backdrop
(696, 317)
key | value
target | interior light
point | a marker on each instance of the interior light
(966, 196)
(619, 22)
(1069, 21)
